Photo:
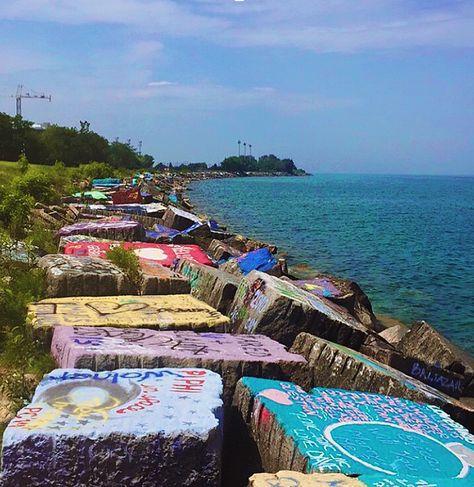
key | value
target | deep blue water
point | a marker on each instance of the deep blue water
(407, 240)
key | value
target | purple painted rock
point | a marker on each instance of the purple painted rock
(230, 355)
(354, 433)
(270, 306)
(333, 365)
(426, 345)
(213, 286)
(126, 427)
(110, 229)
(179, 219)
(67, 275)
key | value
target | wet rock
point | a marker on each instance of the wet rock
(117, 429)
(213, 286)
(67, 275)
(179, 311)
(232, 356)
(427, 345)
(354, 433)
(179, 219)
(286, 478)
(270, 306)
(333, 365)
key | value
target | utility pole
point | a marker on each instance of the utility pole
(19, 95)
(140, 147)
(239, 142)
(245, 148)
(250, 149)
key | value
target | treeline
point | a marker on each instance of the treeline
(267, 163)
(69, 145)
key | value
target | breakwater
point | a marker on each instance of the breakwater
(407, 240)
(190, 355)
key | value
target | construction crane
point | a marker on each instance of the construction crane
(19, 95)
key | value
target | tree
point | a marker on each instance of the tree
(123, 156)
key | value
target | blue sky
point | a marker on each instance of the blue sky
(338, 85)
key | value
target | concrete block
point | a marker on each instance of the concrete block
(158, 279)
(179, 311)
(221, 251)
(270, 306)
(111, 229)
(102, 348)
(333, 365)
(213, 286)
(288, 478)
(67, 275)
(121, 428)
(427, 345)
(354, 433)
(179, 219)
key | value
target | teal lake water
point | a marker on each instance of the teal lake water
(407, 240)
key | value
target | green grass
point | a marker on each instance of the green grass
(9, 170)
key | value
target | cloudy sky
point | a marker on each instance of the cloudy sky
(338, 85)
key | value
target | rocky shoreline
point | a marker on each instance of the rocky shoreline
(211, 365)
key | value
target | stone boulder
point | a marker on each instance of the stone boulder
(222, 251)
(116, 429)
(179, 219)
(67, 275)
(213, 286)
(270, 306)
(114, 229)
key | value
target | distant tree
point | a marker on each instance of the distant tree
(123, 156)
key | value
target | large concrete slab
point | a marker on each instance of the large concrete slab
(67, 275)
(333, 365)
(103, 348)
(180, 311)
(270, 306)
(179, 219)
(288, 478)
(213, 286)
(118, 229)
(121, 428)
(158, 279)
(428, 346)
(354, 433)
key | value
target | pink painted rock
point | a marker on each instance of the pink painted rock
(103, 348)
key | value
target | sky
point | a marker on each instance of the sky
(368, 86)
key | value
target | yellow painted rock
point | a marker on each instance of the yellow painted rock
(287, 478)
(169, 312)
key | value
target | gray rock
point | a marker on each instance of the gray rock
(213, 286)
(179, 219)
(220, 250)
(394, 334)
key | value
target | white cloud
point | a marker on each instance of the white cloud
(320, 25)
(161, 83)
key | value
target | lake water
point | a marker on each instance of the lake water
(407, 240)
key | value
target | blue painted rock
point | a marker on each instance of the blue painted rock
(270, 306)
(394, 481)
(126, 427)
(355, 433)
(333, 365)
(232, 356)
(213, 286)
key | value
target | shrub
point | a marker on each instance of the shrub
(95, 170)
(15, 207)
(39, 186)
(23, 164)
(128, 261)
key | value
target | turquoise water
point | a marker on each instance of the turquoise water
(407, 240)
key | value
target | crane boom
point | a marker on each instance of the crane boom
(19, 95)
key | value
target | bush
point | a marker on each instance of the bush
(15, 207)
(39, 186)
(95, 170)
(128, 261)
(23, 164)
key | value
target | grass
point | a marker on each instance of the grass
(9, 170)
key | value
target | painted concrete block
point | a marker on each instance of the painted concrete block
(120, 428)
(354, 433)
(288, 478)
(161, 280)
(404, 481)
(67, 275)
(179, 311)
(213, 286)
(179, 219)
(333, 365)
(118, 229)
(427, 345)
(102, 348)
(221, 251)
(270, 306)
